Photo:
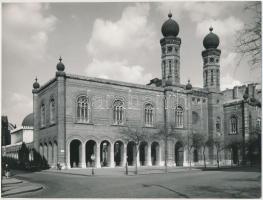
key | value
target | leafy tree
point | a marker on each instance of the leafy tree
(137, 135)
(249, 38)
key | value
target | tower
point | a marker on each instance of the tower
(211, 60)
(170, 45)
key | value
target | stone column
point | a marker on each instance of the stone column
(112, 163)
(55, 154)
(83, 156)
(149, 156)
(124, 155)
(50, 156)
(97, 158)
(138, 156)
(45, 152)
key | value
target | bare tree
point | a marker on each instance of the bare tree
(219, 144)
(249, 38)
(200, 142)
(136, 135)
(165, 135)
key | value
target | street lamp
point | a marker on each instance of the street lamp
(92, 170)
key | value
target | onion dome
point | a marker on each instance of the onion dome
(211, 40)
(188, 86)
(28, 120)
(60, 65)
(36, 84)
(170, 27)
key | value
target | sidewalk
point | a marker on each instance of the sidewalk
(12, 186)
(119, 171)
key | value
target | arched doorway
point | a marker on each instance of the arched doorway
(196, 159)
(143, 153)
(75, 153)
(131, 153)
(91, 147)
(179, 154)
(235, 155)
(155, 153)
(105, 153)
(118, 153)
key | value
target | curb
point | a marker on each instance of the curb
(21, 192)
(120, 174)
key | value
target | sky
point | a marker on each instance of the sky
(119, 41)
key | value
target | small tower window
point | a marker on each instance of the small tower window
(217, 77)
(205, 60)
(170, 49)
(170, 67)
(212, 77)
(218, 125)
(211, 59)
(206, 78)
(217, 60)
(163, 50)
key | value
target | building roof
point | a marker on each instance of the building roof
(28, 120)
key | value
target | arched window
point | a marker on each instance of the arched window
(170, 67)
(179, 117)
(206, 78)
(217, 77)
(233, 122)
(148, 115)
(52, 111)
(212, 77)
(118, 112)
(83, 109)
(218, 125)
(42, 115)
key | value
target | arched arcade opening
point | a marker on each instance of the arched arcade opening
(118, 153)
(105, 148)
(75, 153)
(91, 147)
(179, 154)
(155, 153)
(131, 153)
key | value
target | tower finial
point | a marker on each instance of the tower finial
(211, 29)
(170, 14)
(36, 79)
(60, 59)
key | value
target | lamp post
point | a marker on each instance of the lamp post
(92, 170)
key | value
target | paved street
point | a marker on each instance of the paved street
(238, 183)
